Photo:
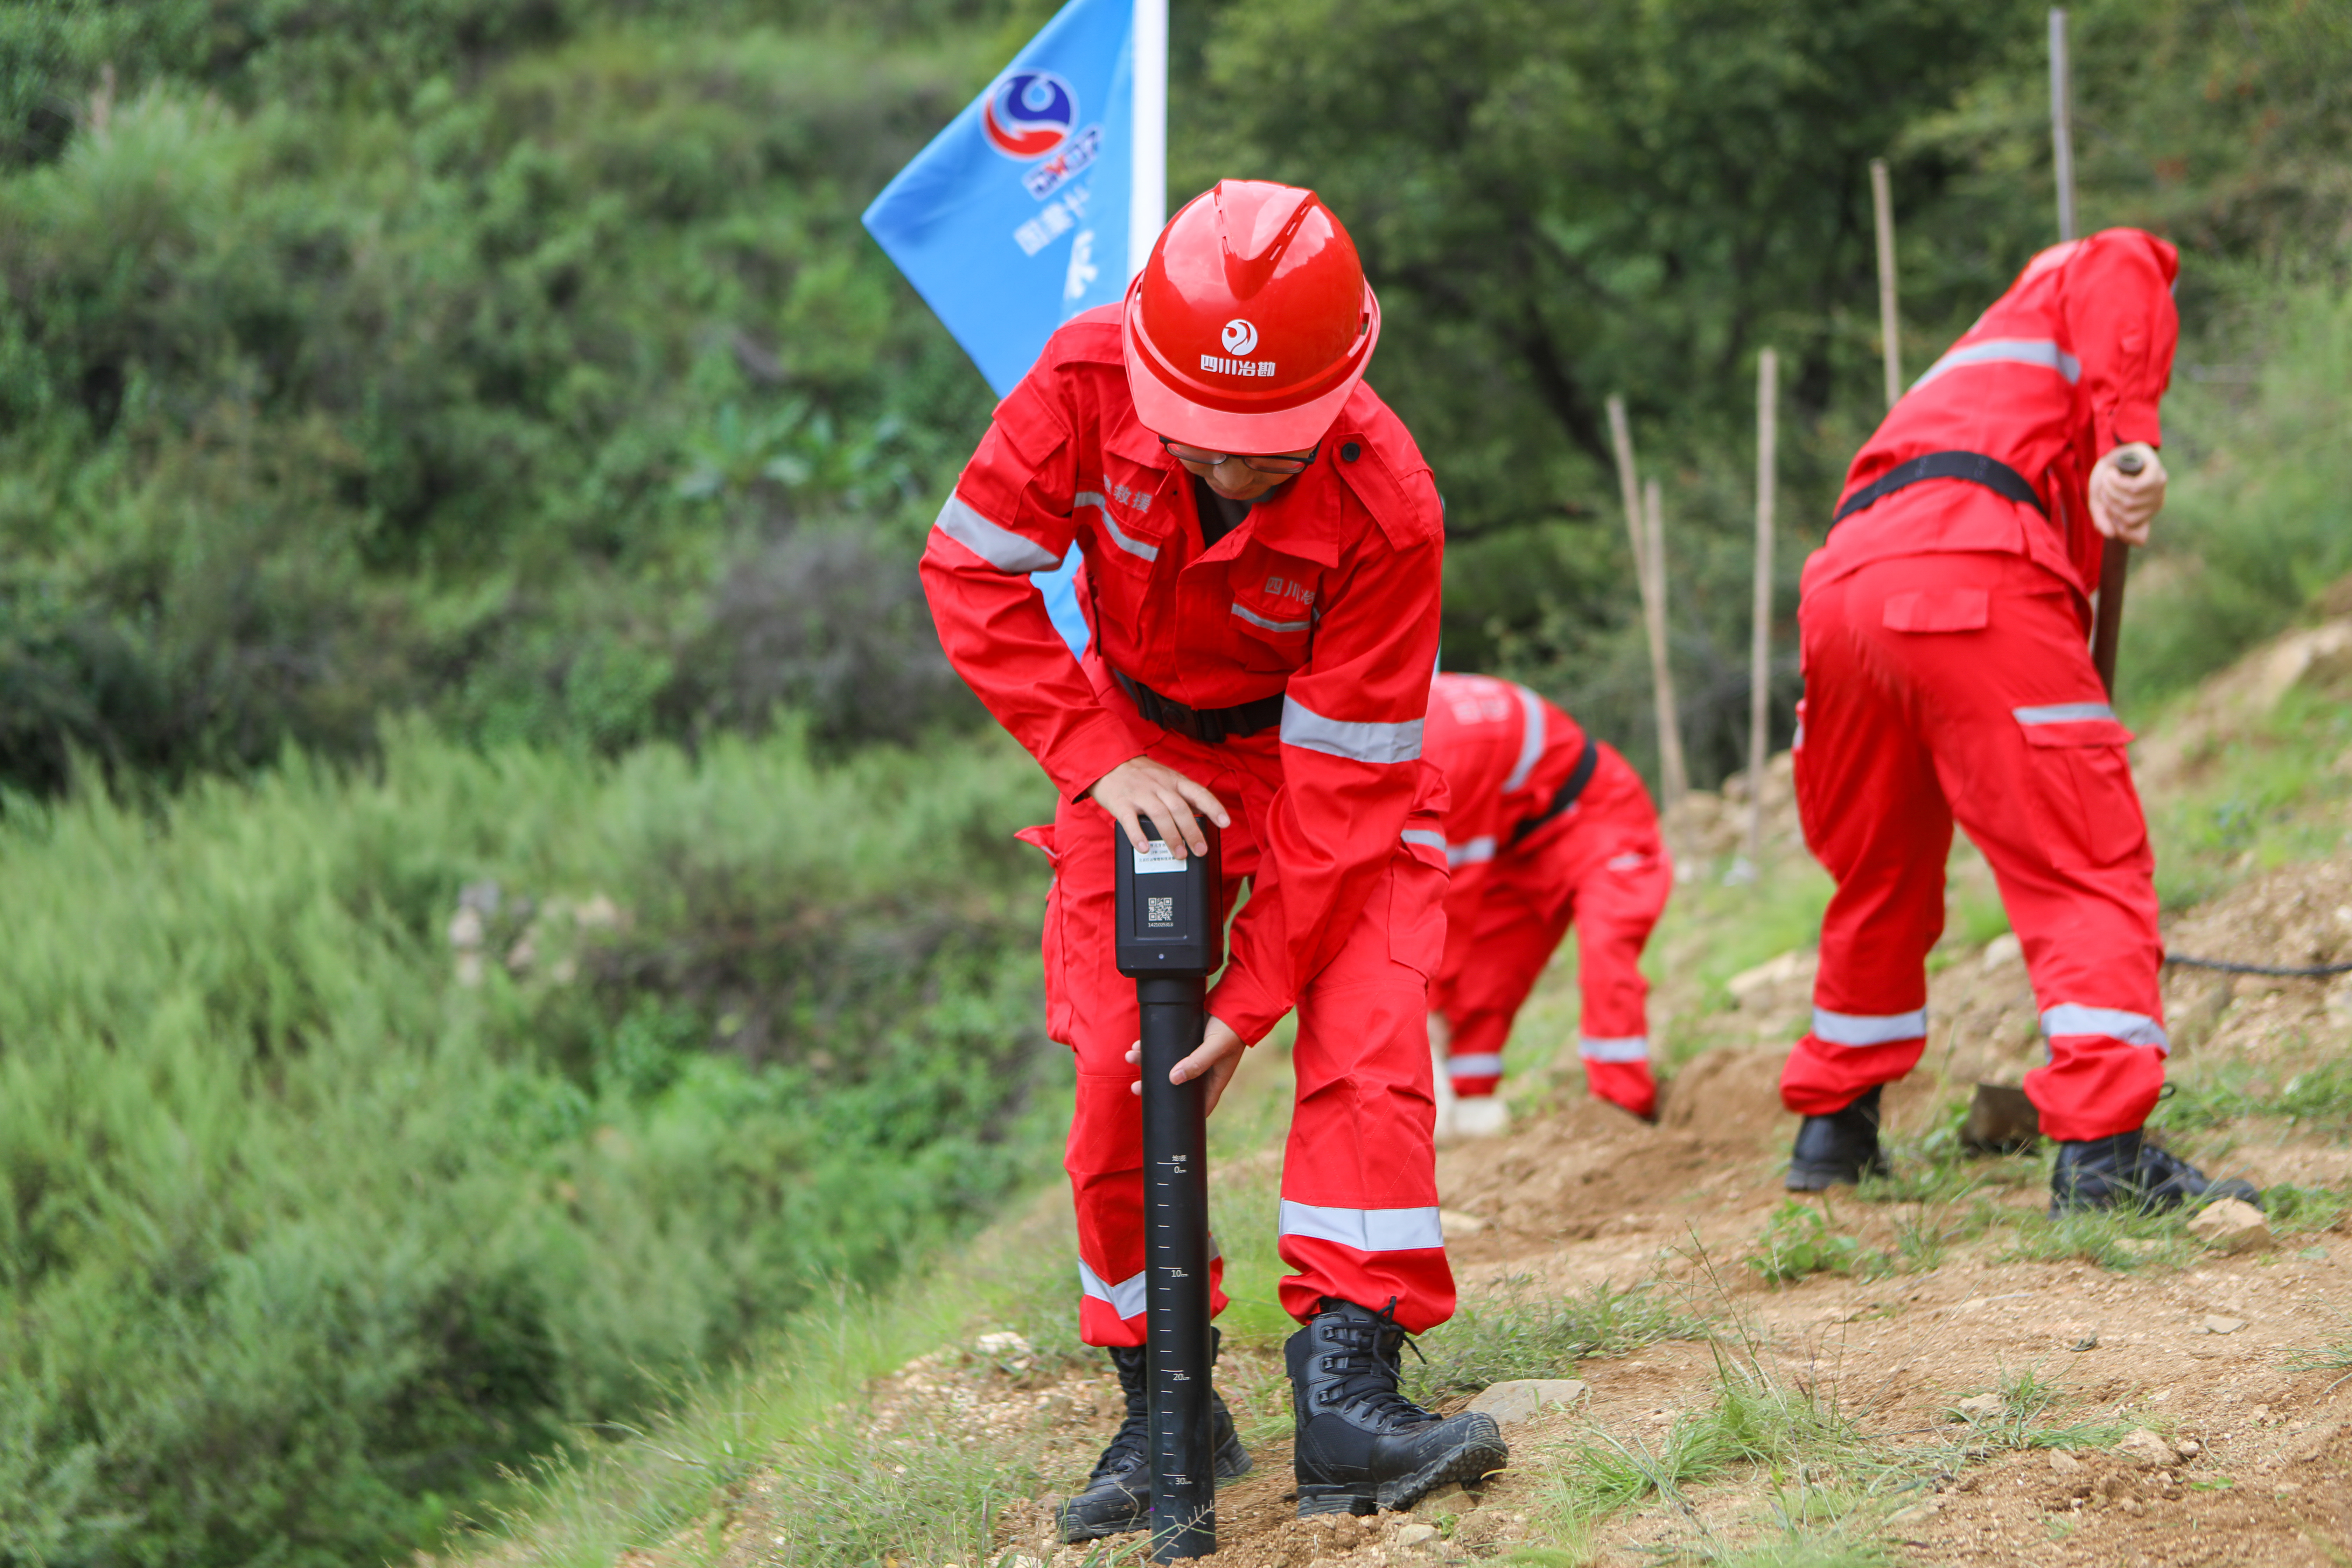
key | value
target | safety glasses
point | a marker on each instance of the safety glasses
(1183, 454)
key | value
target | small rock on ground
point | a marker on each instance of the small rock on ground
(2144, 1448)
(2232, 1226)
(2217, 1324)
(1982, 1407)
(1519, 1399)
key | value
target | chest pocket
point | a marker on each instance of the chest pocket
(1275, 599)
(1130, 527)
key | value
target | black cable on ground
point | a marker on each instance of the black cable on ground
(2315, 971)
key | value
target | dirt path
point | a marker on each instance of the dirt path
(2202, 1352)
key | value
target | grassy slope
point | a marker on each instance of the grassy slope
(305, 1234)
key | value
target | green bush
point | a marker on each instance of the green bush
(303, 1234)
(562, 404)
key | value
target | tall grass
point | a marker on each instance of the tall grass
(302, 1234)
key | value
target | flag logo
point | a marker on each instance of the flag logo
(1029, 115)
(1240, 338)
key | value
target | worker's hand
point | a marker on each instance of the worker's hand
(1220, 1054)
(2122, 504)
(1142, 787)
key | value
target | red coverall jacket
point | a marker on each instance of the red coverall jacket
(2098, 313)
(1328, 594)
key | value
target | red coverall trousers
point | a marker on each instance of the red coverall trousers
(1956, 685)
(1358, 1218)
(1599, 866)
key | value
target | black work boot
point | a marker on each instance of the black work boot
(1840, 1147)
(1117, 1496)
(1362, 1445)
(2127, 1171)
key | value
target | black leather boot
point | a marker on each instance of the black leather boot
(1118, 1497)
(2127, 1171)
(1362, 1445)
(1841, 1147)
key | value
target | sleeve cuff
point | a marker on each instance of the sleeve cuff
(2135, 421)
(1244, 1005)
(1098, 744)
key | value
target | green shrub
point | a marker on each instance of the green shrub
(302, 1234)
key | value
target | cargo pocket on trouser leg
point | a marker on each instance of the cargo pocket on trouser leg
(2084, 811)
(1417, 881)
(1059, 1024)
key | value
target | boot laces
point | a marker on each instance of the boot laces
(1369, 1373)
(1128, 1447)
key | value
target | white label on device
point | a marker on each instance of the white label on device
(1156, 858)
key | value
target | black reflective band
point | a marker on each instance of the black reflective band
(1210, 726)
(1565, 796)
(1974, 466)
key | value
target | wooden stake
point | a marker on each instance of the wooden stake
(1890, 329)
(1760, 663)
(1649, 574)
(2061, 122)
(1629, 488)
(1675, 779)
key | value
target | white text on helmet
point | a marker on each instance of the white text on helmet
(1237, 366)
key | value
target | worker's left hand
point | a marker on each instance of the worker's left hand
(1219, 1054)
(2122, 504)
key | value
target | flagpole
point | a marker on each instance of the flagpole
(1148, 183)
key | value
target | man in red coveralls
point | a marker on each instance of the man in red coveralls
(1546, 826)
(1262, 544)
(1947, 677)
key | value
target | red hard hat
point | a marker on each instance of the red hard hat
(1251, 322)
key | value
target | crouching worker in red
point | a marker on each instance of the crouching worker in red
(1262, 544)
(1947, 677)
(1545, 825)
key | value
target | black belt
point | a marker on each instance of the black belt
(1211, 726)
(1565, 796)
(1974, 466)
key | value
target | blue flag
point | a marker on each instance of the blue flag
(1019, 214)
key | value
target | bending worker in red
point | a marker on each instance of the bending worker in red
(1545, 825)
(1946, 675)
(1262, 544)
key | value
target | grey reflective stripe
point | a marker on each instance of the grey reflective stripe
(1258, 620)
(1486, 1064)
(2006, 351)
(1631, 1048)
(999, 546)
(2131, 1028)
(1126, 1298)
(1471, 853)
(1366, 1230)
(1868, 1028)
(1798, 741)
(1427, 836)
(1531, 738)
(1358, 742)
(1132, 546)
(2064, 713)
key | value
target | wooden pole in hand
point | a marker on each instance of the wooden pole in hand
(1629, 489)
(1882, 202)
(1760, 665)
(1675, 779)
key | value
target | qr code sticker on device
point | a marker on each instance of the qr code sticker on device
(1160, 911)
